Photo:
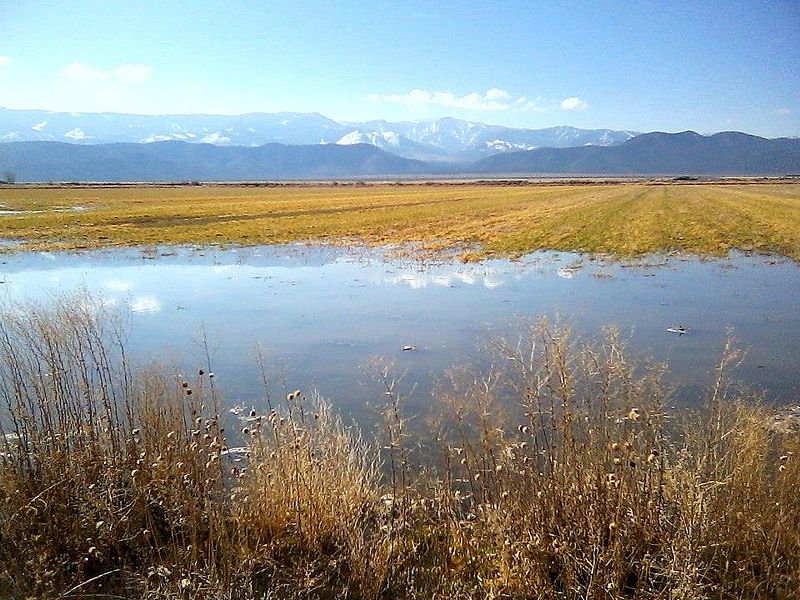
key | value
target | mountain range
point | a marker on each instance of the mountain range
(436, 140)
(181, 161)
(685, 153)
(310, 146)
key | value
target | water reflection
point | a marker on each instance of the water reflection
(116, 285)
(449, 277)
(320, 314)
(144, 304)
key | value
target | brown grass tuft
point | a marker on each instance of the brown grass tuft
(562, 475)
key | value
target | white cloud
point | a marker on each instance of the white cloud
(40, 126)
(76, 134)
(574, 103)
(496, 94)
(524, 104)
(83, 87)
(5, 61)
(783, 112)
(133, 74)
(82, 73)
(492, 99)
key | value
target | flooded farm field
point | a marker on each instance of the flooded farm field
(320, 316)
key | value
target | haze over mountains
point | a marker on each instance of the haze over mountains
(310, 146)
(448, 140)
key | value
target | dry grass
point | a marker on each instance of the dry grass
(561, 475)
(621, 219)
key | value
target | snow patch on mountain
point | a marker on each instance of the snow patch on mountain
(216, 138)
(181, 137)
(381, 139)
(503, 146)
(76, 134)
(445, 139)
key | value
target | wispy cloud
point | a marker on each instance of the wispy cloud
(84, 87)
(128, 74)
(493, 99)
(574, 103)
(783, 112)
(524, 104)
(82, 73)
(5, 61)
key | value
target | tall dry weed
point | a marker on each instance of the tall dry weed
(560, 473)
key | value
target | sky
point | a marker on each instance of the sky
(668, 66)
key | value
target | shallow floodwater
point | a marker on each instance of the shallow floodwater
(321, 315)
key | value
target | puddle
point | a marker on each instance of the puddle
(58, 209)
(321, 314)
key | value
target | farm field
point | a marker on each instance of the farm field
(479, 221)
(241, 417)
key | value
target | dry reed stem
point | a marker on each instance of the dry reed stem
(562, 475)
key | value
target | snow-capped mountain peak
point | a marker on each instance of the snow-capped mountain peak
(379, 139)
(444, 139)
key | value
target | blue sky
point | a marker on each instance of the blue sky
(669, 66)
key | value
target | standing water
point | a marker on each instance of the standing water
(320, 316)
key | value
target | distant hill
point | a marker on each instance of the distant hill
(684, 153)
(445, 139)
(687, 153)
(180, 161)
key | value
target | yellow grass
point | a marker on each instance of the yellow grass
(622, 220)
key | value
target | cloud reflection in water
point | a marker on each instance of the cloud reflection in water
(488, 278)
(144, 304)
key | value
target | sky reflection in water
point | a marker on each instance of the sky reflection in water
(321, 314)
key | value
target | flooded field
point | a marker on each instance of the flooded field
(321, 316)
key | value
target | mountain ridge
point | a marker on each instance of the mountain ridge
(171, 161)
(440, 140)
(659, 153)
(655, 153)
